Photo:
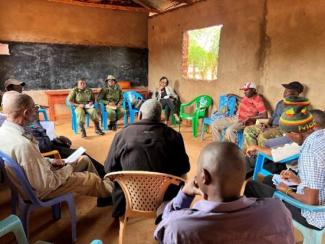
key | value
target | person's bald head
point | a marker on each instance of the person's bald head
(150, 109)
(16, 104)
(221, 170)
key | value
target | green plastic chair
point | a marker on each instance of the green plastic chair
(13, 224)
(202, 104)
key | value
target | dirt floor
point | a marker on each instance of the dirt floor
(94, 223)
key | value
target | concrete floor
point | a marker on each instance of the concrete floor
(94, 223)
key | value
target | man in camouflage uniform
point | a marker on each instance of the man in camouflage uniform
(83, 99)
(111, 96)
(258, 134)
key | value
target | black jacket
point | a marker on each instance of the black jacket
(149, 146)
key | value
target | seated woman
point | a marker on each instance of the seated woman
(167, 98)
(83, 99)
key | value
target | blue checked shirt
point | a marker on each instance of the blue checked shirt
(311, 167)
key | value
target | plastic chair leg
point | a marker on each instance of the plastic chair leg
(123, 221)
(73, 217)
(56, 211)
(202, 131)
(24, 217)
(194, 127)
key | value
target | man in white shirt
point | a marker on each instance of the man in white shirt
(49, 178)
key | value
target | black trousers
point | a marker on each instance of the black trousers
(266, 190)
(169, 105)
(66, 152)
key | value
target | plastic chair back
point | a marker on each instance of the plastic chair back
(18, 183)
(129, 99)
(311, 236)
(44, 112)
(143, 191)
(17, 179)
(13, 224)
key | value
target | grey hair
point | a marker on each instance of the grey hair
(14, 102)
(151, 109)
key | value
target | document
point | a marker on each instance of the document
(277, 180)
(50, 128)
(74, 156)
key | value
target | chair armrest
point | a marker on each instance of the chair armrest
(296, 203)
(54, 153)
(183, 105)
(285, 160)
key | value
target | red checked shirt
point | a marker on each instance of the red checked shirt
(250, 107)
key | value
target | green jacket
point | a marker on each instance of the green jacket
(110, 95)
(81, 96)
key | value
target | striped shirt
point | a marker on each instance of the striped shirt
(250, 107)
(311, 166)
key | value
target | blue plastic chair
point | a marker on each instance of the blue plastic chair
(226, 108)
(128, 100)
(25, 198)
(311, 236)
(259, 163)
(13, 224)
(74, 121)
(44, 112)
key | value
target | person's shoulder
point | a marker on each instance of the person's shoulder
(74, 89)
(271, 206)
(315, 140)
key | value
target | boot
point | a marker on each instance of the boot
(83, 130)
(112, 125)
(98, 129)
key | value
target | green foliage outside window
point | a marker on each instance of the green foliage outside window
(203, 49)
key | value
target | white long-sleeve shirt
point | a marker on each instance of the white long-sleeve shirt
(23, 148)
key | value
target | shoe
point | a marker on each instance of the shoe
(104, 201)
(82, 130)
(98, 130)
(112, 126)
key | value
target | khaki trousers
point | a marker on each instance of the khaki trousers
(84, 181)
(231, 124)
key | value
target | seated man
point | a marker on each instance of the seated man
(147, 145)
(258, 134)
(111, 96)
(61, 144)
(49, 178)
(223, 216)
(298, 124)
(250, 108)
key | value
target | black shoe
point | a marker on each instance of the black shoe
(83, 130)
(99, 132)
(112, 126)
(104, 201)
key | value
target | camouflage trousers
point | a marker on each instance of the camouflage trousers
(81, 114)
(257, 135)
(115, 114)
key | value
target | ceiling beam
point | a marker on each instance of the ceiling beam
(106, 6)
(145, 5)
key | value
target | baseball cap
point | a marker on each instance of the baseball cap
(13, 82)
(249, 85)
(111, 77)
(294, 85)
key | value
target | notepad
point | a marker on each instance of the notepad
(75, 156)
(277, 180)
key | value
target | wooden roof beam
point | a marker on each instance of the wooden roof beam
(106, 6)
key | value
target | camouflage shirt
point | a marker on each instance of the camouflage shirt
(81, 96)
(110, 95)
